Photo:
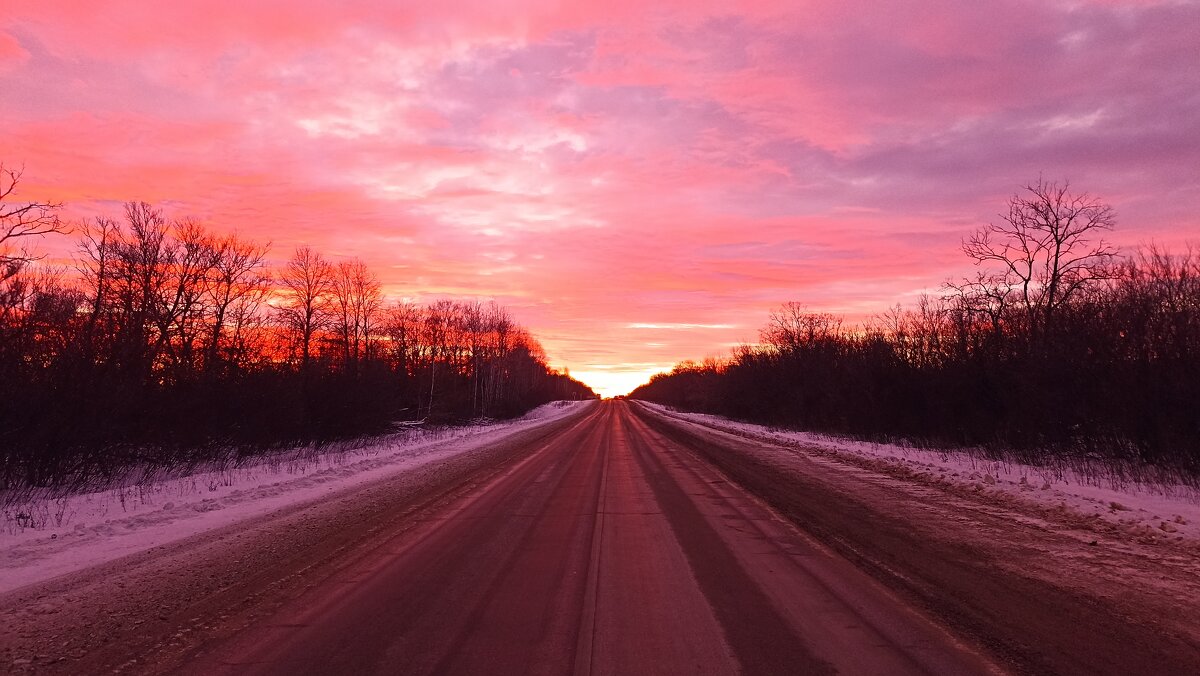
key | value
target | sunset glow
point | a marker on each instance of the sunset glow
(639, 183)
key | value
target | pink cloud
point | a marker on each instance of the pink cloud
(681, 167)
(12, 54)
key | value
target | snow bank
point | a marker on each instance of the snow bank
(1164, 511)
(44, 537)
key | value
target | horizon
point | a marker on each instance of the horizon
(639, 186)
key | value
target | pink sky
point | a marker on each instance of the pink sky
(639, 182)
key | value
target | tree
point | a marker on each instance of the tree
(440, 321)
(95, 266)
(307, 282)
(20, 220)
(181, 311)
(403, 329)
(357, 301)
(792, 328)
(238, 287)
(1047, 248)
(987, 295)
(158, 352)
(141, 262)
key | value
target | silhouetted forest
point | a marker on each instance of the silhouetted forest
(1057, 346)
(169, 343)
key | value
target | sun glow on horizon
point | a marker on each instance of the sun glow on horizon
(612, 382)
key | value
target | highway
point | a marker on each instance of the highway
(624, 540)
(608, 550)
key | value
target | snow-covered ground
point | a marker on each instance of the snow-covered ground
(44, 537)
(1166, 512)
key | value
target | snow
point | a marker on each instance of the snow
(1138, 508)
(44, 537)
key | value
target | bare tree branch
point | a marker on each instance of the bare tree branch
(1047, 247)
(20, 220)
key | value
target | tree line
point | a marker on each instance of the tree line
(1057, 346)
(168, 342)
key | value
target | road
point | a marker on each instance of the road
(612, 542)
(607, 551)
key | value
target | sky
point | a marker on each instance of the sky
(640, 183)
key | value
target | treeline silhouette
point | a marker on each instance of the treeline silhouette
(170, 343)
(1057, 349)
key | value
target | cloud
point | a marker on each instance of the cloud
(641, 182)
(679, 326)
(12, 54)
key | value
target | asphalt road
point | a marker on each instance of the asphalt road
(609, 549)
(625, 541)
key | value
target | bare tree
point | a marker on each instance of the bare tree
(986, 295)
(793, 327)
(181, 311)
(19, 220)
(141, 261)
(1047, 248)
(403, 329)
(474, 325)
(94, 262)
(239, 285)
(357, 300)
(437, 335)
(501, 330)
(37, 319)
(307, 281)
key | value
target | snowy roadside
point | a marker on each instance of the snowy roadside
(45, 537)
(1145, 511)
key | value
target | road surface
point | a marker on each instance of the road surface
(607, 551)
(609, 543)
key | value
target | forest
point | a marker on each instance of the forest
(1059, 346)
(166, 342)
